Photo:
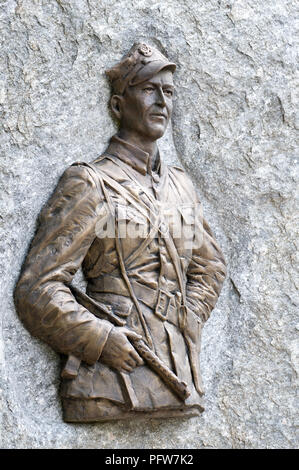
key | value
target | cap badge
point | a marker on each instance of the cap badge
(145, 50)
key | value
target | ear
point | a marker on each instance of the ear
(116, 105)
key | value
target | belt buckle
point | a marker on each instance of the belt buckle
(163, 303)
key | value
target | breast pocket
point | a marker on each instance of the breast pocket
(132, 223)
(182, 228)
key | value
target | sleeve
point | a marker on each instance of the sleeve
(44, 302)
(206, 271)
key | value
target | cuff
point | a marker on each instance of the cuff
(97, 343)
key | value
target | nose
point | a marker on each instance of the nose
(161, 97)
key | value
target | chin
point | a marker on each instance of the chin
(156, 132)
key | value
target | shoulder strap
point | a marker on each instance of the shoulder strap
(93, 173)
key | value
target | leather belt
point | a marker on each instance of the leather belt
(166, 305)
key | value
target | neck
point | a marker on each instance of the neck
(148, 146)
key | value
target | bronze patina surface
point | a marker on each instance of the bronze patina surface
(154, 270)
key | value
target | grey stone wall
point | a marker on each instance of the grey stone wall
(234, 132)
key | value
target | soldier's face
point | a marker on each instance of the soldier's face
(146, 108)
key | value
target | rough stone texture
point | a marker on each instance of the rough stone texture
(233, 130)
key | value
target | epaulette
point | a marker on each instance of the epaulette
(100, 158)
(178, 168)
(78, 163)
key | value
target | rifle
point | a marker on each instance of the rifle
(72, 365)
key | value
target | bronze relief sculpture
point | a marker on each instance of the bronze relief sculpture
(153, 268)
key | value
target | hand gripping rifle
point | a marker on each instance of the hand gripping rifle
(72, 365)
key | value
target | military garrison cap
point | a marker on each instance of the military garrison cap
(140, 64)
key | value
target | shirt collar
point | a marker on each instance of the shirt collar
(130, 154)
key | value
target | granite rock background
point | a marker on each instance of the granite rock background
(233, 130)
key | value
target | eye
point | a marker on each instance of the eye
(168, 92)
(148, 89)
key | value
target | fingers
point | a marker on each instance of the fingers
(137, 359)
(119, 352)
(125, 367)
(133, 353)
(129, 365)
(131, 334)
(131, 361)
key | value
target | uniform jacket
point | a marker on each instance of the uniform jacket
(77, 228)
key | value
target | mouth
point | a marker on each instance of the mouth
(159, 115)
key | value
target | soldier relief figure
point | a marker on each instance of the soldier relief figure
(153, 268)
